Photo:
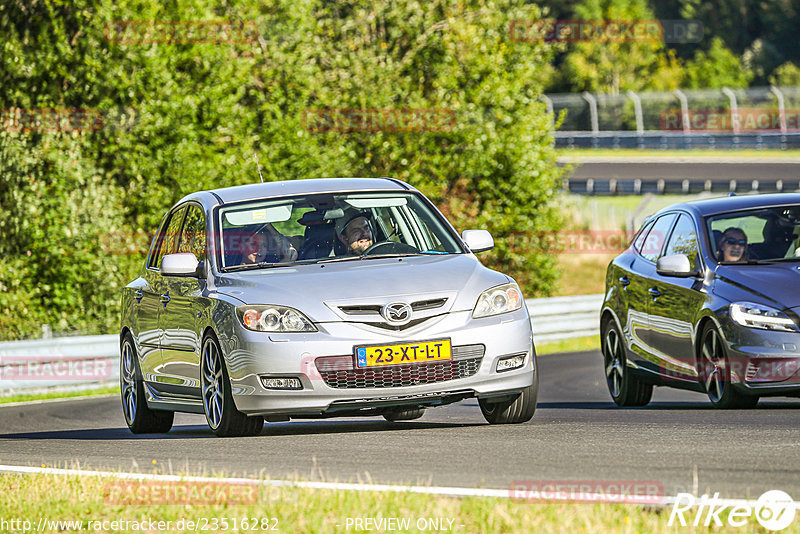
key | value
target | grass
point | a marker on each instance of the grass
(582, 274)
(575, 344)
(59, 395)
(73, 498)
(588, 152)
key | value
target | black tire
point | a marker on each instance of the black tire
(221, 414)
(517, 410)
(139, 417)
(404, 415)
(625, 388)
(714, 371)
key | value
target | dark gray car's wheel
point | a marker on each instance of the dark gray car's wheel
(404, 415)
(139, 417)
(625, 388)
(715, 373)
(517, 410)
(221, 413)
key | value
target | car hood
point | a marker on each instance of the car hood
(778, 283)
(313, 289)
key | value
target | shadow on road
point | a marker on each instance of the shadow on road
(658, 406)
(270, 429)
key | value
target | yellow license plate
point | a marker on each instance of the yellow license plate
(403, 353)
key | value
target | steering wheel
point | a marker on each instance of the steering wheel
(390, 247)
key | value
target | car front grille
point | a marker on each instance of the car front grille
(338, 371)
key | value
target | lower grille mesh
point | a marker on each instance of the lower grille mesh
(403, 375)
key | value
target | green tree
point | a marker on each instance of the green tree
(787, 75)
(610, 65)
(719, 67)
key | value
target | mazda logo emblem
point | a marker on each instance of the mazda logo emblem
(397, 313)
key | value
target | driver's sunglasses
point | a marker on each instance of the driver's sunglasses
(733, 241)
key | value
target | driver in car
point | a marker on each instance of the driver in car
(733, 245)
(355, 232)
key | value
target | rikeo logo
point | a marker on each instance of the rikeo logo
(774, 510)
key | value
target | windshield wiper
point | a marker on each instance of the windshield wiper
(760, 262)
(369, 256)
(338, 258)
(390, 255)
(262, 265)
(773, 260)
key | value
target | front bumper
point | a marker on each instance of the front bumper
(252, 355)
(763, 362)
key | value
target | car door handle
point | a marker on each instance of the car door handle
(165, 299)
(623, 280)
(138, 294)
(654, 292)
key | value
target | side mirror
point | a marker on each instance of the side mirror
(478, 240)
(676, 265)
(181, 264)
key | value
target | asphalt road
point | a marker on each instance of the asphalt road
(576, 434)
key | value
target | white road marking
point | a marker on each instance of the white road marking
(444, 491)
(59, 399)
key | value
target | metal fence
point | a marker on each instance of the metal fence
(86, 362)
(758, 117)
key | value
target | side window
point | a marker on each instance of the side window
(638, 243)
(683, 240)
(193, 237)
(168, 242)
(654, 241)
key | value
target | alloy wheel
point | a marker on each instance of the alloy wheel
(128, 382)
(212, 386)
(714, 372)
(614, 362)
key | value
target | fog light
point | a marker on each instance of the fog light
(281, 383)
(510, 362)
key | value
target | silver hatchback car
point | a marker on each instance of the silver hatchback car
(319, 298)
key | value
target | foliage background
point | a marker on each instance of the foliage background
(76, 206)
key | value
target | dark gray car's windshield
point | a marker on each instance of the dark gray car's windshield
(760, 236)
(330, 227)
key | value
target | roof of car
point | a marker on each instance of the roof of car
(301, 187)
(713, 206)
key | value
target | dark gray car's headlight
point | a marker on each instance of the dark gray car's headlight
(265, 318)
(761, 316)
(497, 300)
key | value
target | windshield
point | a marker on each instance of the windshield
(330, 227)
(756, 236)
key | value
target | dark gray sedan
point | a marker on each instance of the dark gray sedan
(319, 298)
(707, 298)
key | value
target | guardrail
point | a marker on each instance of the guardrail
(557, 318)
(676, 141)
(62, 363)
(88, 362)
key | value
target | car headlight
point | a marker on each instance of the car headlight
(263, 318)
(497, 300)
(761, 316)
